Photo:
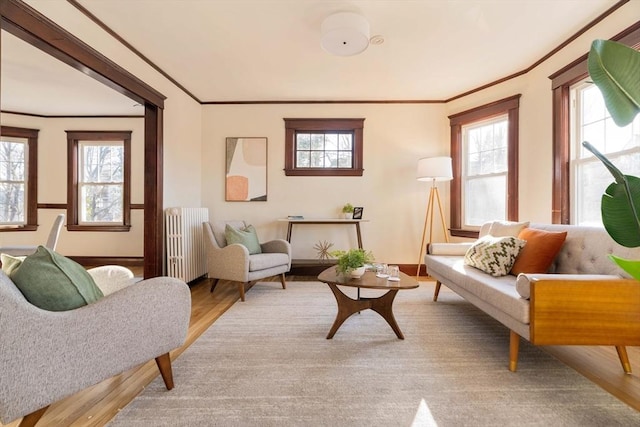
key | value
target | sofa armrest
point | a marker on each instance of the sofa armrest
(585, 312)
(524, 280)
(448, 248)
(228, 263)
(276, 246)
(71, 350)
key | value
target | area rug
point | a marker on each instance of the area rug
(266, 362)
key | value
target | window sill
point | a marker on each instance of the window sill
(18, 228)
(472, 234)
(323, 172)
(109, 228)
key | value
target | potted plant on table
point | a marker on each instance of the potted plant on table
(347, 211)
(615, 69)
(352, 262)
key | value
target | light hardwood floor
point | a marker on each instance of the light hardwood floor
(96, 405)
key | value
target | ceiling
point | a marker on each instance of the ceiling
(269, 50)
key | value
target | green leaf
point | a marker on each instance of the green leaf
(620, 204)
(630, 266)
(615, 69)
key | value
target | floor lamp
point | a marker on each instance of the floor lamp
(433, 169)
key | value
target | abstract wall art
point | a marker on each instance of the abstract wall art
(246, 170)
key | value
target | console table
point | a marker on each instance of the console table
(325, 221)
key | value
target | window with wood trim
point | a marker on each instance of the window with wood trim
(18, 179)
(99, 182)
(323, 147)
(484, 150)
(569, 120)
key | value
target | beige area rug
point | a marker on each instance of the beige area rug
(266, 362)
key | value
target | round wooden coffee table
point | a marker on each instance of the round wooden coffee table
(382, 305)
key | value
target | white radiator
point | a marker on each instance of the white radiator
(186, 251)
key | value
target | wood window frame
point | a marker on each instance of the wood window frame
(509, 106)
(31, 214)
(561, 82)
(73, 142)
(292, 126)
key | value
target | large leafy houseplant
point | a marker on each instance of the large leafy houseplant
(615, 69)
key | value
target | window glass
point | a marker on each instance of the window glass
(323, 147)
(593, 123)
(484, 171)
(101, 182)
(13, 180)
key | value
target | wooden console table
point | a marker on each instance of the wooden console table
(325, 221)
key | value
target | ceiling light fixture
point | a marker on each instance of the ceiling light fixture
(345, 34)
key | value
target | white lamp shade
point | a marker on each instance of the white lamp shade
(435, 169)
(345, 34)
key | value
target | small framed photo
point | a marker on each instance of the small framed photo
(357, 213)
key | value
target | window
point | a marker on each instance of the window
(323, 147)
(578, 116)
(99, 180)
(591, 122)
(18, 178)
(484, 149)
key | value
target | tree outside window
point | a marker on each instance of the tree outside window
(18, 179)
(323, 147)
(484, 150)
(99, 180)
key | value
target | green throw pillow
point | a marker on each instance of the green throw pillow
(246, 237)
(10, 263)
(494, 255)
(53, 282)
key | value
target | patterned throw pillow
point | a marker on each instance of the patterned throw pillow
(494, 255)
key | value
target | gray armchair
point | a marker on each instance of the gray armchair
(52, 241)
(233, 262)
(46, 356)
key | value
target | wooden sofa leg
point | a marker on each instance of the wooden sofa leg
(624, 358)
(31, 419)
(164, 366)
(514, 347)
(437, 290)
(241, 289)
(213, 285)
(284, 283)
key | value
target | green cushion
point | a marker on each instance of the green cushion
(10, 263)
(53, 282)
(246, 237)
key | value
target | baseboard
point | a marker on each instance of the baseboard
(95, 261)
(312, 267)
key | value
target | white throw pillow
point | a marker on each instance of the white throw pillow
(494, 255)
(507, 228)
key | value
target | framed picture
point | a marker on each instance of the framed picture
(246, 170)
(357, 213)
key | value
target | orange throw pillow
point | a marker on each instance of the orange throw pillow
(539, 252)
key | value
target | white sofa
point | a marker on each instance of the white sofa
(583, 299)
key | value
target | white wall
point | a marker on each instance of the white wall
(395, 137)
(52, 186)
(182, 115)
(536, 133)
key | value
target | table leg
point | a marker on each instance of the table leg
(289, 232)
(347, 306)
(359, 235)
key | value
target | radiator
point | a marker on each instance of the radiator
(186, 251)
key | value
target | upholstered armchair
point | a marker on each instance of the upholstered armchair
(51, 243)
(233, 261)
(46, 356)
